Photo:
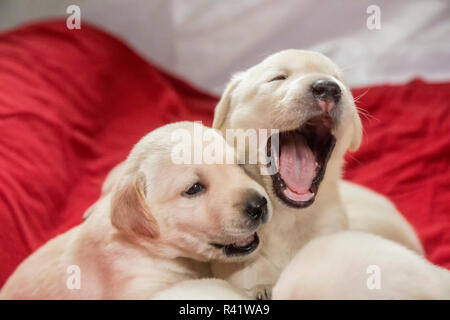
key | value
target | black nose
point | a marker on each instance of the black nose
(326, 90)
(256, 207)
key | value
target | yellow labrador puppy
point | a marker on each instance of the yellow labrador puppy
(357, 265)
(304, 96)
(161, 221)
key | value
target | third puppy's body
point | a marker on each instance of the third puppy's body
(358, 265)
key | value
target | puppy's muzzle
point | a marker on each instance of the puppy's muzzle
(256, 211)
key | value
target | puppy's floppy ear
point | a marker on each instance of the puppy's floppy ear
(357, 132)
(223, 107)
(129, 210)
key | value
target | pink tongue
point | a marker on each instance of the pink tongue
(297, 165)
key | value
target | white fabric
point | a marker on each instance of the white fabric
(205, 41)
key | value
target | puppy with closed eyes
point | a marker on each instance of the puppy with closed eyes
(304, 96)
(158, 225)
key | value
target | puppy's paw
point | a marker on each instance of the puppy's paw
(261, 292)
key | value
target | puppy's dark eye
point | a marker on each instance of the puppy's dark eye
(279, 77)
(194, 189)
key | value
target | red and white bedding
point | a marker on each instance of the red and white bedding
(72, 104)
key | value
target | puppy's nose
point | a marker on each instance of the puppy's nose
(256, 207)
(327, 92)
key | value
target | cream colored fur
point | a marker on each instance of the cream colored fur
(358, 265)
(202, 289)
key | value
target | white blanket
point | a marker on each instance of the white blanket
(205, 41)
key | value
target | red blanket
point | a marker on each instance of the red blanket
(73, 102)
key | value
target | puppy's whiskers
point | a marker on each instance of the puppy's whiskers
(356, 99)
(364, 113)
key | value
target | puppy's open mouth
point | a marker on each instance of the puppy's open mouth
(302, 160)
(241, 247)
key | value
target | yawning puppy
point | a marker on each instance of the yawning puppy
(159, 224)
(304, 96)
